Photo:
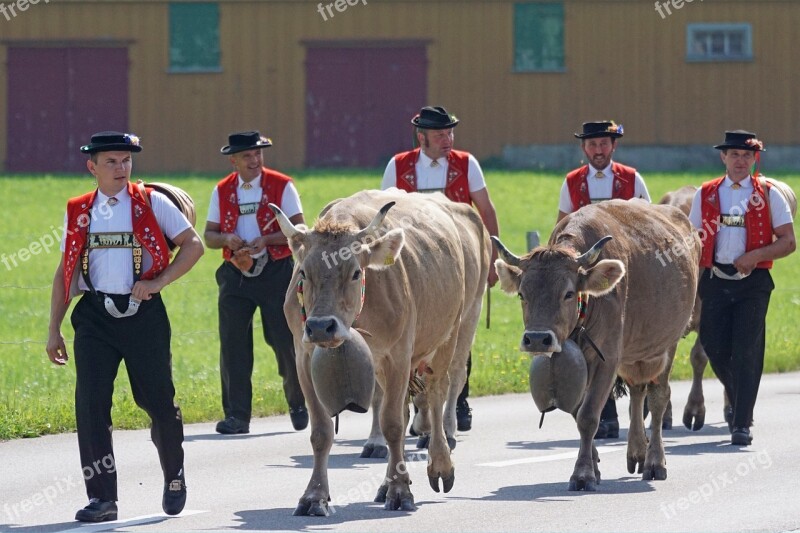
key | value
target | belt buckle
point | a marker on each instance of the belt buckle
(720, 274)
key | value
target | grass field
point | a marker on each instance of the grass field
(36, 397)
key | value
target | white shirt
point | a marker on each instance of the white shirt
(111, 269)
(600, 188)
(247, 225)
(731, 242)
(434, 177)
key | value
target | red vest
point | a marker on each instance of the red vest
(757, 221)
(272, 185)
(457, 185)
(145, 229)
(624, 186)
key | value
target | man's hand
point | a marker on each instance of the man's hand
(257, 245)
(145, 289)
(745, 263)
(56, 349)
(234, 242)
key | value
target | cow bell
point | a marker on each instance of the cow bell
(344, 377)
(559, 381)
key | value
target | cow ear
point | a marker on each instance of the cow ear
(381, 252)
(602, 278)
(297, 241)
(509, 276)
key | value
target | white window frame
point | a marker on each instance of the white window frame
(726, 29)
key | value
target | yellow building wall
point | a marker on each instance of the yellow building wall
(623, 61)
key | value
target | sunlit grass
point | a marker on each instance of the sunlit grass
(37, 397)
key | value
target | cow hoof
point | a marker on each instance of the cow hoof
(585, 485)
(694, 421)
(375, 451)
(657, 473)
(635, 465)
(447, 481)
(400, 504)
(451, 442)
(315, 508)
(666, 424)
(381, 496)
(422, 442)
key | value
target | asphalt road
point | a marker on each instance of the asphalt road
(510, 476)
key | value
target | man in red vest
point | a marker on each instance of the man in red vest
(255, 273)
(600, 179)
(115, 252)
(742, 232)
(436, 167)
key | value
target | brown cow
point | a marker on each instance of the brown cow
(425, 268)
(633, 308)
(694, 414)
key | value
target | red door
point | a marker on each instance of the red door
(58, 97)
(360, 101)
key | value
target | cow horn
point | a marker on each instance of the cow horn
(288, 229)
(376, 222)
(588, 259)
(507, 256)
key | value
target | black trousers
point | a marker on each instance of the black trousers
(732, 332)
(239, 296)
(142, 341)
(462, 397)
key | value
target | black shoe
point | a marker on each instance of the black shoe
(741, 437)
(608, 429)
(232, 426)
(728, 414)
(174, 495)
(97, 511)
(463, 416)
(299, 416)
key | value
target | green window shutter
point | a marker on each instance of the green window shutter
(194, 37)
(538, 36)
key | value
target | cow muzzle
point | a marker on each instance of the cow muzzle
(544, 342)
(325, 331)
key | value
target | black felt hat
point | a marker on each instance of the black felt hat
(434, 118)
(603, 128)
(112, 141)
(741, 140)
(245, 140)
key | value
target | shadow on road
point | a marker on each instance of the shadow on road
(245, 436)
(282, 520)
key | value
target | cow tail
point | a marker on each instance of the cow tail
(620, 389)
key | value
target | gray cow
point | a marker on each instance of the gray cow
(629, 307)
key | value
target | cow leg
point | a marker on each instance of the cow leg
(637, 439)
(395, 491)
(694, 414)
(421, 424)
(586, 474)
(440, 464)
(314, 501)
(375, 447)
(658, 394)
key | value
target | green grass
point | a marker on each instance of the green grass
(36, 397)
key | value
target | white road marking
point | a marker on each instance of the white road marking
(552, 457)
(135, 521)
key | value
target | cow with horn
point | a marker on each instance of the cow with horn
(408, 271)
(627, 312)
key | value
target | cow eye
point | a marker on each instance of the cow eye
(302, 274)
(521, 297)
(570, 295)
(356, 275)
